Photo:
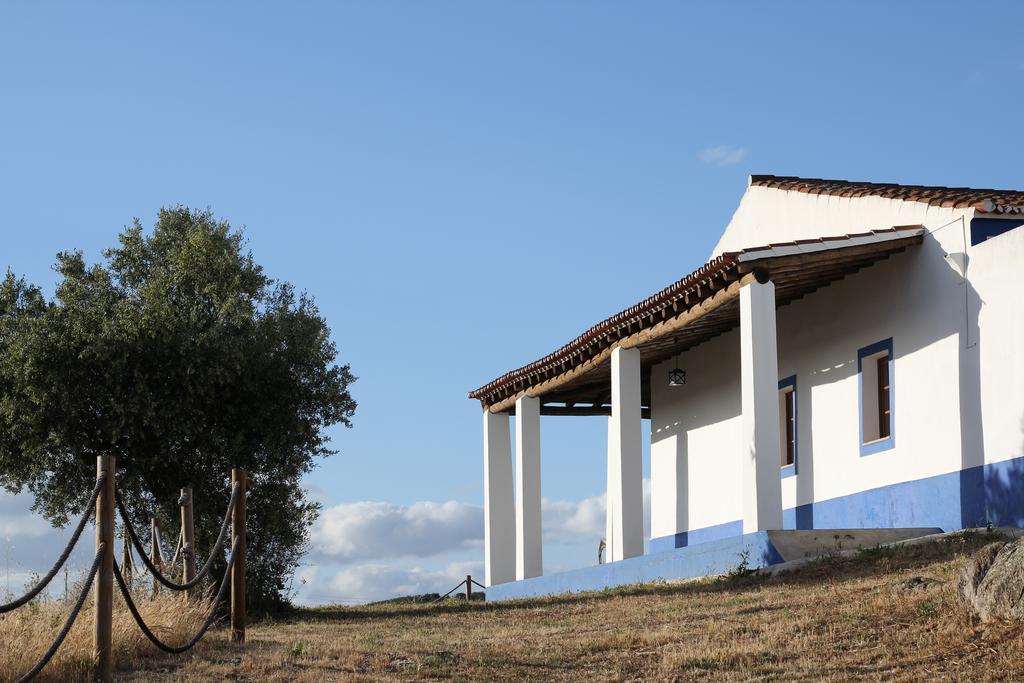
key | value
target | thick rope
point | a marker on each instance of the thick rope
(69, 622)
(210, 618)
(461, 584)
(45, 581)
(201, 574)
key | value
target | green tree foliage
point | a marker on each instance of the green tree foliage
(181, 358)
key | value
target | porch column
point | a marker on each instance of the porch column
(499, 516)
(610, 500)
(529, 560)
(625, 467)
(760, 456)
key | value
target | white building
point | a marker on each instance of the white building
(853, 359)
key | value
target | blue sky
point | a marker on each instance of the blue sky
(465, 186)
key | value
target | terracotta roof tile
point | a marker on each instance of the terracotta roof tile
(653, 309)
(985, 201)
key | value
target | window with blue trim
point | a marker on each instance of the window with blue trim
(788, 425)
(876, 390)
(984, 228)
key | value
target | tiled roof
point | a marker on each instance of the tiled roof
(985, 201)
(684, 295)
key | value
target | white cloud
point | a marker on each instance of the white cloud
(361, 551)
(307, 575)
(377, 582)
(584, 520)
(29, 545)
(316, 494)
(373, 581)
(15, 584)
(17, 518)
(352, 538)
(573, 521)
(374, 530)
(723, 155)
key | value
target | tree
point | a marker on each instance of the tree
(181, 358)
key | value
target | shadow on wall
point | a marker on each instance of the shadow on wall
(993, 494)
(973, 496)
(682, 488)
(989, 493)
(804, 464)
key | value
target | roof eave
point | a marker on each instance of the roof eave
(680, 304)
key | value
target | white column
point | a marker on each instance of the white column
(760, 457)
(610, 499)
(625, 466)
(499, 515)
(529, 559)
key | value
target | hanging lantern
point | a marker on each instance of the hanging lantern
(676, 377)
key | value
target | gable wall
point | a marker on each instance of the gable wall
(766, 215)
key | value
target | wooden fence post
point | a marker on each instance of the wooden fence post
(238, 476)
(156, 555)
(127, 563)
(469, 588)
(188, 549)
(103, 620)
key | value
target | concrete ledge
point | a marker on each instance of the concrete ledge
(751, 551)
(810, 543)
(997, 533)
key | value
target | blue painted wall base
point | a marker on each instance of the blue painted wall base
(713, 557)
(976, 496)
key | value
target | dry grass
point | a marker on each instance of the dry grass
(26, 633)
(836, 619)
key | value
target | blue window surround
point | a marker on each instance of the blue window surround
(983, 228)
(790, 470)
(890, 442)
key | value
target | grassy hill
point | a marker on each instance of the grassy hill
(837, 618)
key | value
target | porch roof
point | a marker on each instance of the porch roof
(576, 378)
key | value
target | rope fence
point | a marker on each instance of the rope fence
(105, 571)
(210, 617)
(154, 571)
(45, 581)
(69, 622)
(467, 583)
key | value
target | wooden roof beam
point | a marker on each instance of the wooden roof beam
(819, 257)
(585, 411)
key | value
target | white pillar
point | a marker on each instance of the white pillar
(529, 558)
(760, 457)
(625, 464)
(610, 499)
(499, 515)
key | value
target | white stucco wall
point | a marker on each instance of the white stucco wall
(957, 347)
(995, 272)
(766, 215)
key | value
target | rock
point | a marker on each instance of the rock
(975, 570)
(992, 581)
(917, 583)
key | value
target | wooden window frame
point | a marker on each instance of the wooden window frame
(884, 384)
(788, 386)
